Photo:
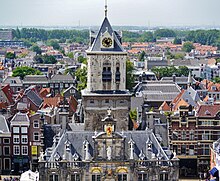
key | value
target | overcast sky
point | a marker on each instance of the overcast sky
(120, 12)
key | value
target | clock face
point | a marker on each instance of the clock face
(107, 42)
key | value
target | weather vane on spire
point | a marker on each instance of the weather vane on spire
(106, 8)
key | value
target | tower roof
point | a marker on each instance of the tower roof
(106, 28)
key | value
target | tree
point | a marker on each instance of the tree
(217, 60)
(169, 71)
(188, 46)
(129, 75)
(81, 77)
(177, 41)
(142, 56)
(182, 70)
(36, 49)
(10, 55)
(39, 59)
(23, 71)
(69, 71)
(54, 44)
(45, 59)
(164, 33)
(81, 59)
(49, 59)
(70, 55)
(216, 80)
(133, 114)
(22, 55)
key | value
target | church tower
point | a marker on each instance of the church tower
(106, 82)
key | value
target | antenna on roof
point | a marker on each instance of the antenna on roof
(106, 8)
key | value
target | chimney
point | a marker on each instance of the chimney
(63, 119)
(174, 78)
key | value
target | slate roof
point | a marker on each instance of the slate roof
(12, 81)
(159, 96)
(161, 88)
(50, 131)
(69, 89)
(20, 117)
(157, 91)
(59, 78)
(194, 94)
(157, 86)
(192, 62)
(190, 96)
(35, 78)
(179, 80)
(3, 125)
(96, 46)
(34, 97)
(140, 138)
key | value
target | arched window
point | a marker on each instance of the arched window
(106, 73)
(117, 73)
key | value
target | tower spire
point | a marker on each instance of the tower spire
(106, 8)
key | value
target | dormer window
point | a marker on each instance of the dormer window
(67, 147)
(214, 88)
(207, 112)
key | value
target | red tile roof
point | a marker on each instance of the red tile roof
(164, 107)
(178, 97)
(73, 103)
(3, 105)
(8, 93)
(51, 102)
(44, 92)
(208, 110)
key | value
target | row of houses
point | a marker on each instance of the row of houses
(57, 83)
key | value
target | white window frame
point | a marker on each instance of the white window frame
(24, 137)
(16, 150)
(6, 139)
(16, 139)
(72, 91)
(37, 123)
(23, 150)
(24, 130)
(16, 129)
(34, 136)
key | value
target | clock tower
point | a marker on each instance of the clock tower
(106, 81)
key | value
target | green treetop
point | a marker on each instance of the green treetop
(23, 71)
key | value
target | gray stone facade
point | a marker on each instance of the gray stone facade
(106, 80)
(108, 155)
(95, 106)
